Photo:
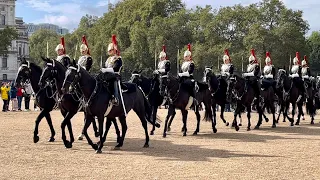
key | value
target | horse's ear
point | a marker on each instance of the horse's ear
(44, 59)
(74, 62)
(139, 72)
(211, 67)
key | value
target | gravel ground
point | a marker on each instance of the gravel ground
(281, 153)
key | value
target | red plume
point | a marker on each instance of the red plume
(62, 42)
(189, 48)
(164, 49)
(298, 57)
(226, 52)
(254, 55)
(114, 41)
(268, 55)
(84, 41)
(305, 58)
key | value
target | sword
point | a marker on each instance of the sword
(122, 101)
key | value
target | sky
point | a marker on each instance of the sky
(67, 13)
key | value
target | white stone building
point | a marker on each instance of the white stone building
(19, 48)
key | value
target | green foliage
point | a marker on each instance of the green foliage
(143, 26)
(7, 35)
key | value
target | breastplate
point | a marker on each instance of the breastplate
(295, 69)
(162, 64)
(267, 70)
(304, 71)
(251, 67)
(225, 68)
(110, 61)
(185, 66)
(82, 61)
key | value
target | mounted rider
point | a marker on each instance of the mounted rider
(113, 67)
(297, 76)
(85, 60)
(61, 52)
(306, 74)
(187, 68)
(252, 75)
(269, 73)
(227, 67)
(164, 64)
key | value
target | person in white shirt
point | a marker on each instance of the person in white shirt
(85, 60)
(61, 52)
(164, 63)
(227, 67)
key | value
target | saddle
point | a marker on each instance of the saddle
(266, 83)
(128, 87)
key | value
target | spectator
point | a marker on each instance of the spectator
(13, 97)
(19, 97)
(4, 95)
(9, 95)
(27, 95)
(227, 109)
(35, 107)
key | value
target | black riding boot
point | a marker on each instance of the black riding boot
(116, 92)
(257, 92)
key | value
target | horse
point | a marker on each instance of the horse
(310, 101)
(268, 95)
(69, 104)
(244, 96)
(150, 86)
(291, 94)
(98, 103)
(45, 97)
(179, 98)
(218, 92)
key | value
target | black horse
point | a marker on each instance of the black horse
(244, 96)
(151, 88)
(45, 97)
(178, 97)
(290, 95)
(69, 104)
(98, 96)
(310, 101)
(268, 95)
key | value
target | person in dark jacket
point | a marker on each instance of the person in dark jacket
(13, 97)
(19, 97)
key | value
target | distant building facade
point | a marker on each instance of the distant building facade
(31, 28)
(9, 62)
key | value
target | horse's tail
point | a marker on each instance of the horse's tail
(148, 111)
(207, 113)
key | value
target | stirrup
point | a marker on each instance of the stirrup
(115, 101)
(299, 98)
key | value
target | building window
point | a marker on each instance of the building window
(5, 77)
(24, 52)
(2, 8)
(11, 8)
(4, 62)
(19, 50)
(2, 20)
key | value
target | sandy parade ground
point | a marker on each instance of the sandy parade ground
(281, 153)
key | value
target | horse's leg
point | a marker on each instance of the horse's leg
(240, 119)
(141, 115)
(89, 119)
(293, 112)
(300, 112)
(312, 113)
(64, 123)
(221, 114)
(171, 119)
(116, 127)
(273, 111)
(154, 118)
(249, 117)
(95, 128)
(124, 127)
(196, 111)
(184, 119)
(100, 123)
(38, 120)
(80, 137)
(170, 112)
(235, 123)
(104, 137)
(49, 120)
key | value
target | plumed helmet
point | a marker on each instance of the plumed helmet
(61, 45)
(252, 57)
(296, 60)
(226, 56)
(268, 58)
(163, 52)
(114, 45)
(188, 52)
(304, 61)
(84, 45)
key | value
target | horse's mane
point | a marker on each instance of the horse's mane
(36, 67)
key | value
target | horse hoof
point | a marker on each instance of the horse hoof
(184, 134)
(257, 127)
(51, 139)
(36, 139)
(248, 129)
(146, 146)
(297, 123)
(96, 134)
(182, 129)
(118, 139)
(237, 128)
(277, 121)
(303, 118)
(195, 133)
(80, 138)
(215, 130)
(233, 125)
(98, 151)
(169, 129)
(273, 126)
(95, 146)
(312, 122)
(68, 145)
(151, 133)
(292, 124)
(164, 135)
(157, 125)
(227, 123)
(240, 124)
(284, 121)
(267, 120)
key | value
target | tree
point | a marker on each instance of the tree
(314, 48)
(7, 35)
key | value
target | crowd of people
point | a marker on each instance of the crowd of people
(9, 92)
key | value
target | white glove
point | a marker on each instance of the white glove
(161, 70)
(155, 72)
(186, 74)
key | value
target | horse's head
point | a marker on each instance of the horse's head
(280, 78)
(48, 73)
(136, 77)
(72, 77)
(207, 74)
(164, 81)
(24, 72)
